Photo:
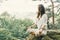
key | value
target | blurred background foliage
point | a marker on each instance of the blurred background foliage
(15, 29)
(12, 28)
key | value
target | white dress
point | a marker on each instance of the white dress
(42, 21)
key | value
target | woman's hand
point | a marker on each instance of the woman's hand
(40, 31)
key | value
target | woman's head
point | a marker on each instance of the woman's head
(41, 10)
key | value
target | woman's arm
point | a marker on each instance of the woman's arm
(44, 23)
(43, 27)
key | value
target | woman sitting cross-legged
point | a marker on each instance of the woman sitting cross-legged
(41, 23)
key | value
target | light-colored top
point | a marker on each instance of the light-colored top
(42, 21)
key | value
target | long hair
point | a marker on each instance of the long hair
(41, 10)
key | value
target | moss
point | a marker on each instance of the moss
(49, 36)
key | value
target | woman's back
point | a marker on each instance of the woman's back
(42, 21)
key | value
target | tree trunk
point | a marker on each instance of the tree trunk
(52, 11)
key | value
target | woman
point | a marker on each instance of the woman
(41, 23)
(41, 19)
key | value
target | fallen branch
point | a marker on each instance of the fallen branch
(58, 31)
